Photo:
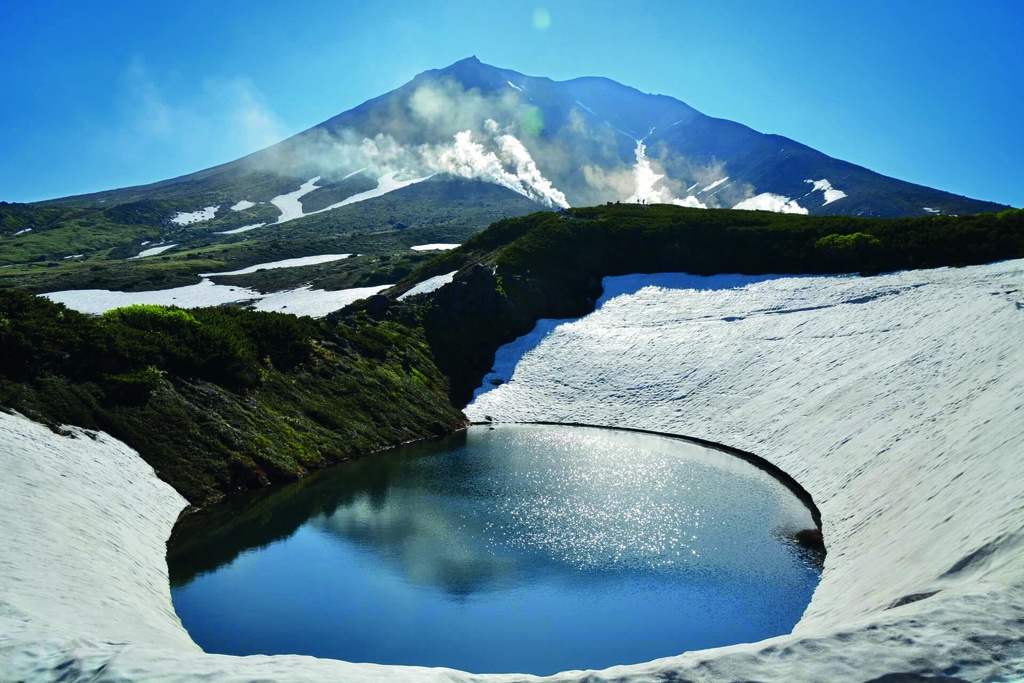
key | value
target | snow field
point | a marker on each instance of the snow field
(894, 400)
(153, 251)
(429, 285)
(438, 246)
(301, 301)
(188, 218)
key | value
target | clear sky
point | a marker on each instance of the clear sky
(101, 95)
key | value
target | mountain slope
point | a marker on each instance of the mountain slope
(575, 142)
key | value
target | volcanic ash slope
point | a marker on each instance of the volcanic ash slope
(895, 400)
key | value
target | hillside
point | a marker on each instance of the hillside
(225, 399)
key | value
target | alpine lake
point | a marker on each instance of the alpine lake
(527, 548)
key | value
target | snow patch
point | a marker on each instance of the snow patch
(429, 285)
(286, 263)
(22, 232)
(188, 218)
(766, 201)
(315, 303)
(514, 86)
(434, 247)
(583, 106)
(355, 172)
(206, 293)
(714, 185)
(289, 204)
(244, 228)
(153, 251)
(73, 256)
(926, 208)
(386, 183)
(291, 207)
(894, 400)
(831, 194)
(243, 205)
(302, 301)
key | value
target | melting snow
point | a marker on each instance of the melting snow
(767, 201)
(182, 218)
(286, 263)
(243, 205)
(514, 86)
(434, 247)
(355, 172)
(429, 285)
(303, 301)
(386, 183)
(894, 400)
(244, 228)
(74, 256)
(289, 204)
(931, 210)
(153, 251)
(206, 293)
(315, 303)
(291, 207)
(583, 106)
(714, 184)
(824, 186)
(22, 232)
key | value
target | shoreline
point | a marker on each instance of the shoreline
(896, 402)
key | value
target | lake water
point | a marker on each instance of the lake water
(519, 548)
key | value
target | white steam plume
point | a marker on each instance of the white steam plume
(646, 179)
(494, 156)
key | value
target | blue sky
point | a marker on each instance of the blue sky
(125, 93)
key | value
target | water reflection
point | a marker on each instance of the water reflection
(558, 538)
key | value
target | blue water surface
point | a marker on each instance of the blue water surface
(516, 548)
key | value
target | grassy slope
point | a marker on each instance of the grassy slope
(100, 239)
(219, 400)
(550, 265)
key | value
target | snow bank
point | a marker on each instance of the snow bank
(188, 218)
(438, 246)
(429, 285)
(244, 228)
(895, 400)
(285, 263)
(315, 303)
(829, 193)
(242, 205)
(153, 251)
(206, 293)
(291, 205)
(714, 184)
(766, 201)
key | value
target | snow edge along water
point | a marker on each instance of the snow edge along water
(919, 424)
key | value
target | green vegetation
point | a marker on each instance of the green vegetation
(89, 247)
(222, 399)
(550, 265)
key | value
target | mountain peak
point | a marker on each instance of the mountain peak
(472, 73)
